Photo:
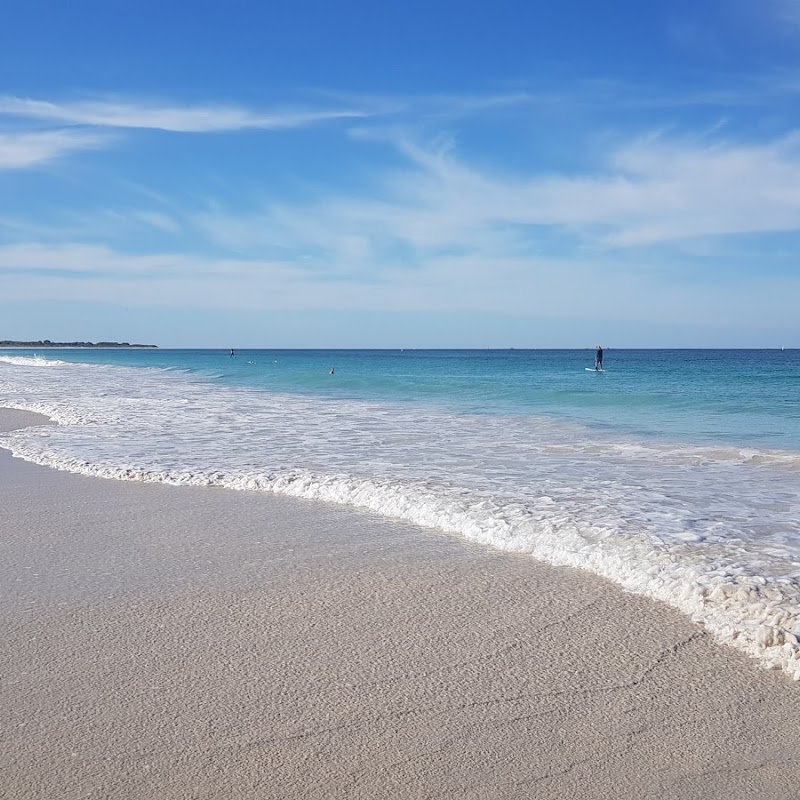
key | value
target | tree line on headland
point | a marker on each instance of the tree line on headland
(47, 343)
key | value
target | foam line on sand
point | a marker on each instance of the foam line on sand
(194, 642)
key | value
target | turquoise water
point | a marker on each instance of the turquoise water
(737, 397)
(675, 473)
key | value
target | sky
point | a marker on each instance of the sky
(311, 173)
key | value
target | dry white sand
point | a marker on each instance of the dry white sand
(162, 642)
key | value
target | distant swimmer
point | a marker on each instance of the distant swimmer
(332, 370)
(233, 354)
(598, 359)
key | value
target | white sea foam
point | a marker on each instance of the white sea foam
(711, 531)
(32, 361)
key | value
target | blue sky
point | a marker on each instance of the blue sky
(415, 174)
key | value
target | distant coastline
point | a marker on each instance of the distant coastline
(47, 343)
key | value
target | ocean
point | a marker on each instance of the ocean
(674, 473)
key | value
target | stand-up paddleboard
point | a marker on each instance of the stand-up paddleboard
(592, 369)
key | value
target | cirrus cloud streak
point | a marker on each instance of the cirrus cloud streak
(20, 150)
(172, 118)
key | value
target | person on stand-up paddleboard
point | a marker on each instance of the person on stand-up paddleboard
(598, 359)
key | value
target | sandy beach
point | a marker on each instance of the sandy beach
(165, 642)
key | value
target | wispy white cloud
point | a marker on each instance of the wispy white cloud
(157, 219)
(175, 118)
(473, 238)
(450, 224)
(88, 225)
(593, 287)
(710, 190)
(109, 265)
(650, 191)
(86, 259)
(442, 105)
(20, 150)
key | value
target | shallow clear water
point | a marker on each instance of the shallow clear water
(674, 473)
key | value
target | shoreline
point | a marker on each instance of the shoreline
(171, 641)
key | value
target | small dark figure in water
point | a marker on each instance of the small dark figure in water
(332, 370)
(233, 355)
(598, 359)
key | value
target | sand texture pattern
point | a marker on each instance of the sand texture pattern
(164, 642)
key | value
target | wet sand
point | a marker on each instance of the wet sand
(165, 642)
